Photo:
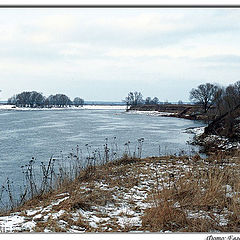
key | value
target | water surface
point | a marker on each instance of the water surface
(41, 134)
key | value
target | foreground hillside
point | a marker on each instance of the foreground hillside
(161, 194)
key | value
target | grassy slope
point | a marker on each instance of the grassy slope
(153, 194)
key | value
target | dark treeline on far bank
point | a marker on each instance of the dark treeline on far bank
(208, 96)
(36, 99)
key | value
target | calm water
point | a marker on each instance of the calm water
(40, 134)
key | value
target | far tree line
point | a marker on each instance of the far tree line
(208, 95)
(36, 99)
(136, 98)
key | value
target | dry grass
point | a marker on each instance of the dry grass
(164, 217)
(186, 195)
(51, 225)
(204, 199)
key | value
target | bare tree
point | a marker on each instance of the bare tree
(28, 99)
(77, 101)
(155, 101)
(204, 95)
(12, 100)
(237, 88)
(134, 99)
(59, 100)
(36, 99)
(226, 98)
(218, 100)
(62, 100)
(233, 93)
(148, 100)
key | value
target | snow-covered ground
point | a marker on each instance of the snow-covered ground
(216, 141)
(19, 222)
(149, 113)
(123, 205)
(91, 107)
(104, 107)
(196, 130)
(220, 142)
(120, 213)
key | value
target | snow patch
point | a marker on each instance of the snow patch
(87, 107)
(15, 223)
(32, 212)
(149, 113)
(196, 130)
(58, 214)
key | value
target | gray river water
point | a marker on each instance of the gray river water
(41, 134)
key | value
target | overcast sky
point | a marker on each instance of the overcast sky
(102, 54)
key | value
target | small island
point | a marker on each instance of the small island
(35, 99)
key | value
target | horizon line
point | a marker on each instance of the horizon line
(119, 6)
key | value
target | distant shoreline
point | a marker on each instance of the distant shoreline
(93, 107)
(186, 111)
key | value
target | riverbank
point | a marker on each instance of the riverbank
(158, 194)
(221, 134)
(88, 107)
(187, 111)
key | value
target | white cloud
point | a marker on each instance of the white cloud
(40, 38)
(76, 49)
(198, 51)
(143, 47)
(8, 33)
(144, 22)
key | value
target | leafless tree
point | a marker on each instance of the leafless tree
(148, 100)
(155, 101)
(134, 99)
(204, 95)
(218, 100)
(36, 99)
(77, 101)
(27, 99)
(12, 100)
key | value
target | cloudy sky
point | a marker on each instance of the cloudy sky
(102, 54)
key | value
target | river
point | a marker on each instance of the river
(41, 134)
